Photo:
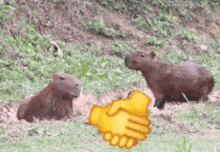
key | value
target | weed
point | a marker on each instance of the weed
(133, 6)
(160, 26)
(195, 111)
(2, 131)
(117, 48)
(187, 34)
(6, 14)
(99, 27)
(155, 41)
(184, 148)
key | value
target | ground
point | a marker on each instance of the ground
(67, 22)
(84, 103)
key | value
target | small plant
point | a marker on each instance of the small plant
(188, 16)
(154, 41)
(184, 147)
(118, 48)
(159, 26)
(35, 130)
(5, 14)
(187, 34)
(135, 6)
(2, 131)
(99, 27)
(195, 111)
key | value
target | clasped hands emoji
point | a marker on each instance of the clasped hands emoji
(123, 122)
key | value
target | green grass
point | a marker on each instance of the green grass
(98, 27)
(97, 74)
(200, 118)
(35, 64)
(75, 136)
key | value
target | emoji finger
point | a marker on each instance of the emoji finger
(123, 141)
(115, 106)
(138, 127)
(114, 140)
(140, 120)
(135, 134)
(130, 143)
(107, 136)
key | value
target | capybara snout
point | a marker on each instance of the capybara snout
(77, 90)
(169, 81)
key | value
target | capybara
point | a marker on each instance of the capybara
(169, 81)
(54, 102)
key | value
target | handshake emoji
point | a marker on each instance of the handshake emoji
(123, 122)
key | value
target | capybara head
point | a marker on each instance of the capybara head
(66, 85)
(135, 60)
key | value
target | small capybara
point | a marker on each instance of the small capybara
(54, 102)
(169, 81)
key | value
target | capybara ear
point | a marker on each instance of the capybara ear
(55, 75)
(153, 54)
(58, 76)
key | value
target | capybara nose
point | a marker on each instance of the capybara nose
(127, 59)
(78, 86)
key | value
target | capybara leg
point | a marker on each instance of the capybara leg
(205, 98)
(29, 118)
(159, 99)
(157, 102)
(205, 92)
(161, 105)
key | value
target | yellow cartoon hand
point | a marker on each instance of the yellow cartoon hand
(137, 104)
(121, 141)
(120, 125)
(137, 129)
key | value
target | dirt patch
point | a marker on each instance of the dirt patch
(85, 102)
(66, 21)
(210, 136)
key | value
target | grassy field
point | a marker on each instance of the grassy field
(94, 36)
(75, 136)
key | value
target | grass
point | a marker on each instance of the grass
(97, 74)
(27, 64)
(75, 136)
(99, 28)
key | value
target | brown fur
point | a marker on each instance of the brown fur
(169, 81)
(54, 102)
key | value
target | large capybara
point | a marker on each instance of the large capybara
(54, 102)
(169, 81)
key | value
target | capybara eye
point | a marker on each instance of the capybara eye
(61, 78)
(142, 55)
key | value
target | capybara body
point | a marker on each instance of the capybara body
(169, 81)
(54, 102)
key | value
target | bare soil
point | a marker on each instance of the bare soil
(83, 105)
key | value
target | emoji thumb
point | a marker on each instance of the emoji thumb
(115, 107)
